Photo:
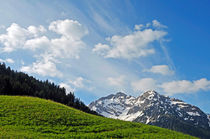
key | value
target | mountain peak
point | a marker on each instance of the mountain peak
(151, 108)
(120, 94)
(151, 95)
(151, 92)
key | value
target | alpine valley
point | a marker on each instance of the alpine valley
(155, 109)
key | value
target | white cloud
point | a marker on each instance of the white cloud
(45, 66)
(36, 31)
(78, 83)
(16, 36)
(144, 84)
(116, 81)
(157, 24)
(8, 60)
(138, 27)
(101, 49)
(160, 69)
(69, 28)
(172, 87)
(66, 48)
(67, 87)
(68, 45)
(33, 44)
(133, 45)
(184, 86)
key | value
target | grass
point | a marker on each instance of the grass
(30, 117)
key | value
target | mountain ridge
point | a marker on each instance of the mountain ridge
(154, 109)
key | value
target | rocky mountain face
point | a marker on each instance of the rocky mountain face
(155, 109)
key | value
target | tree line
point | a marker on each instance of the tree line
(19, 83)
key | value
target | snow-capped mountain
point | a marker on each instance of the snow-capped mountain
(152, 108)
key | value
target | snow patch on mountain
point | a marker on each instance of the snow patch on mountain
(194, 113)
(150, 107)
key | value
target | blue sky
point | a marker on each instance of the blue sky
(96, 48)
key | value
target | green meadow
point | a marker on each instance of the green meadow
(30, 117)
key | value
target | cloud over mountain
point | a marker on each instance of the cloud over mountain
(160, 69)
(133, 45)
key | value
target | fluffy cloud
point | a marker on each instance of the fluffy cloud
(46, 66)
(66, 48)
(36, 31)
(67, 45)
(8, 60)
(144, 84)
(16, 36)
(70, 43)
(133, 45)
(184, 86)
(157, 24)
(172, 87)
(101, 49)
(119, 81)
(160, 69)
(78, 83)
(40, 42)
(69, 28)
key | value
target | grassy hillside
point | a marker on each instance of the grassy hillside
(29, 117)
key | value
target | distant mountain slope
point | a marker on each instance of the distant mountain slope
(18, 83)
(155, 109)
(29, 117)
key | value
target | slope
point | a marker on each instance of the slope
(29, 117)
(19, 83)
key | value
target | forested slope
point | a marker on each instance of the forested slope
(19, 83)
